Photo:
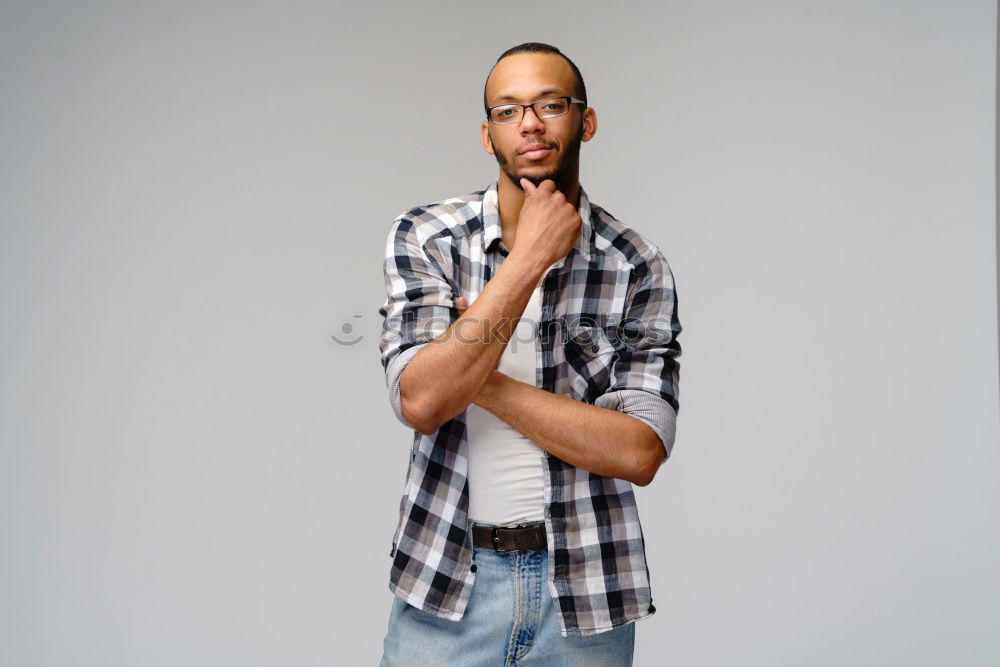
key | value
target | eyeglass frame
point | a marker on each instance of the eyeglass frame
(524, 107)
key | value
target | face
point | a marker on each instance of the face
(525, 78)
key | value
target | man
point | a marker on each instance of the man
(519, 539)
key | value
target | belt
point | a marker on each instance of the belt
(500, 538)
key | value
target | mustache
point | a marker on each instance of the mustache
(530, 146)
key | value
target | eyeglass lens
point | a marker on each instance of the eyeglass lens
(511, 113)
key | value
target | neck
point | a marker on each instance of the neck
(510, 199)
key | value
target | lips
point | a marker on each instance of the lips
(534, 151)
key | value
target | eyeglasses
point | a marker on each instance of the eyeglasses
(550, 107)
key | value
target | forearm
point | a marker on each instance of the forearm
(600, 440)
(445, 375)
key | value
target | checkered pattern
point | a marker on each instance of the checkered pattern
(607, 336)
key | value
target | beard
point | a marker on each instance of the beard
(560, 173)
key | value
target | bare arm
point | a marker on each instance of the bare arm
(600, 440)
(443, 377)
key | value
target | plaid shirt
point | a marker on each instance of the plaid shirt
(607, 336)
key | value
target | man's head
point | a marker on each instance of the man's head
(525, 74)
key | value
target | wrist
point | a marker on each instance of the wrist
(529, 268)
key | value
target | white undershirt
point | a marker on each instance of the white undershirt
(506, 469)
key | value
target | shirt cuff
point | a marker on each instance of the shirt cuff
(393, 373)
(648, 408)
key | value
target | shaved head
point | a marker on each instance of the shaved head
(578, 90)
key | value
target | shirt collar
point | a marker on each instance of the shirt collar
(492, 229)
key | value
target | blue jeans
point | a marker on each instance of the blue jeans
(511, 620)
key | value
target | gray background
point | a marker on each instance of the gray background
(195, 196)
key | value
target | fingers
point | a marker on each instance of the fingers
(529, 188)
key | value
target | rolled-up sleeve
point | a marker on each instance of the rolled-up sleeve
(645, 373)
(418, 306)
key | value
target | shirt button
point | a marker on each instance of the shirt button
(473, 568)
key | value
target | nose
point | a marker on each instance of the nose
(530, 122)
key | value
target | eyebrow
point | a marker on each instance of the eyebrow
(511, 98)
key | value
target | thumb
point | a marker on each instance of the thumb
(529, 187)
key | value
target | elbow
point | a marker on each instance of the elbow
(419, 417)
(424, 413)
(414, 408)
(645, 474)
(643, 479)
(650, 462)
(423, 416)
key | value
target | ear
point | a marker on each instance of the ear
(589, 123)
(486, 139)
